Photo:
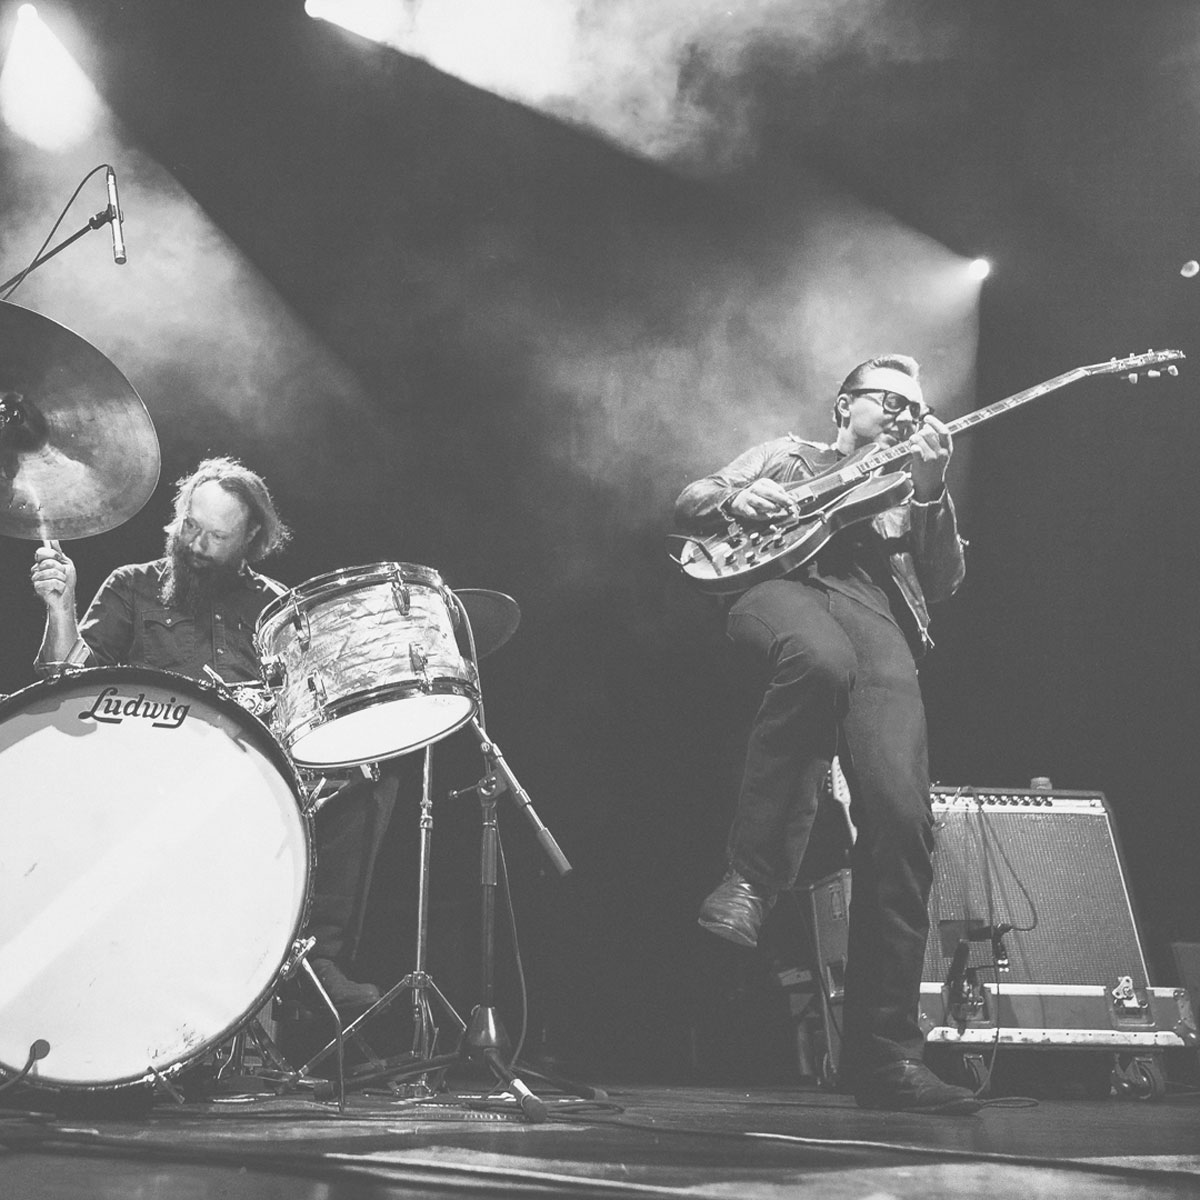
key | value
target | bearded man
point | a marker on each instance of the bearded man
(194, 611)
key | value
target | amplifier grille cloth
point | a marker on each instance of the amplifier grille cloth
(1068, 864)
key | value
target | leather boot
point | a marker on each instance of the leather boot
(736, 909)
(343, 991)
(908, 1085)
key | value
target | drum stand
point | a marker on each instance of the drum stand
(420, 1062)
(483, 1040)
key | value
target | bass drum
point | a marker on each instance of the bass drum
(154, 874)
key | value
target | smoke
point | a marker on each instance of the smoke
(671, 80)
(220, 361)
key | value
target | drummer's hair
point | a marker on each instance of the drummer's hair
(238, 480)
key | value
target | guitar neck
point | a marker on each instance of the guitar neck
(872, 462)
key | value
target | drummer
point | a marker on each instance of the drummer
(195, 608)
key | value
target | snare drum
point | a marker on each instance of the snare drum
(365, 665)
(154, 874)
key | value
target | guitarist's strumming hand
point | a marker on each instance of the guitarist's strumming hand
(762, 500)
(931, 449)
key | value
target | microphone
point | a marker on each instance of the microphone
(114, 208)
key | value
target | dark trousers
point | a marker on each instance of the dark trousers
(837, 674)
(349, 828)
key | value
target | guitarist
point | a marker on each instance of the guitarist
(835, 643)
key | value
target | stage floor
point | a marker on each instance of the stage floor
(633, 1140)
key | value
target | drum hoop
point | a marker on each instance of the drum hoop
(198, 689)
(361, 701)
(265, 741)
(317, 589)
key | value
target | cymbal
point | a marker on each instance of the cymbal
(494, 617)
(78, 451)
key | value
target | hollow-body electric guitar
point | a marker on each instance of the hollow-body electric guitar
(857, 489)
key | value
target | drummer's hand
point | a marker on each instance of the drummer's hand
(762, 500)
(53, 576)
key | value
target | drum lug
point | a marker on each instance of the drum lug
(420, 660)
(300, 621)
(316, 685)
(400, 595)
(274, 671)
(300, 950)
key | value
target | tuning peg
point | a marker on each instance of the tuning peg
(1173, 371)
(1132, 377)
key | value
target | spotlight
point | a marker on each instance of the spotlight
(44, 96)
(376, 20)
(979, 269)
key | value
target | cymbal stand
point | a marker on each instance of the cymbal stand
(421, 1061)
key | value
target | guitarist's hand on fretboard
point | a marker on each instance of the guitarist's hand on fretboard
(931, 449)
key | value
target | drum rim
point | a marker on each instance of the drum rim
(313, 590)
(442, 686)
(198, 689)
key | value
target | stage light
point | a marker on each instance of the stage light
(526, 50)
(44, 96)
(379, 20)
(979, 268)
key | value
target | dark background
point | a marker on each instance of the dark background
(453, 330)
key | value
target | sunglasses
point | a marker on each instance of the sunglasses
(893, 403)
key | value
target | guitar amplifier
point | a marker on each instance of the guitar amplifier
(1033, 939)
(1045, 864)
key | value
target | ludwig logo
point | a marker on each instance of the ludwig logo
(112, 708)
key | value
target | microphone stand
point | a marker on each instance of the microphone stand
(486, 1039)
(483, 1038)
(102, 218)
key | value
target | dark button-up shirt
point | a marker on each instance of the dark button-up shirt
(127, 624)
(911, 553)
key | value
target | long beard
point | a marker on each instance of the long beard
(191, 588)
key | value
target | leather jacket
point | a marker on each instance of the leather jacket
(925, 551)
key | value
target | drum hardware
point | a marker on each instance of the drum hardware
(483, 1039)
(316, 685)
(319, 787)
(234, 1071)
(161, 1081)
(273, 671)
(420, 1062)
(420, 664)
(420, 1065)
(315, 794)
(38, 1049)
(76, 660)
(253, 697)
(401, 596)
(300, 623)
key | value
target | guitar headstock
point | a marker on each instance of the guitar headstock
(1154, 364)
